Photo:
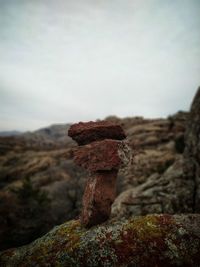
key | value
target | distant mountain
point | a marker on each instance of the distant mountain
(48, 138)
(55, 132)
(53, 136)
(10, 133)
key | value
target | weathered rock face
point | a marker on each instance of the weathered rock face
(153, 240)
(173, 188)
(192, 150)
(155, 144)
(103, 159)
(168, 193)
(162, 187)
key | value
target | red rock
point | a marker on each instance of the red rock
(102, 156)
(85, 133)
(98, 197)
(99, 155)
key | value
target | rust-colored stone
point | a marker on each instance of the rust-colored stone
(102, 157)
(100, 192)
(99, 155)
(85, 133)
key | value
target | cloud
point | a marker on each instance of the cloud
(66, 61)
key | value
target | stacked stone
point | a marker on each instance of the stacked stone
(101, 151)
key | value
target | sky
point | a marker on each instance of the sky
(65, 61)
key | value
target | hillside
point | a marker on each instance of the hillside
(42, 160)
(40, 186)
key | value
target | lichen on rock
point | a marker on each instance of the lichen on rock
(153, 240)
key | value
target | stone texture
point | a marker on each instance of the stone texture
(192, 150)
(100, 155)
(144, 241)
(99, 195)
(86, 132)
(169, 192)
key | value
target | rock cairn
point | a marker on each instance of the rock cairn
(102, 151)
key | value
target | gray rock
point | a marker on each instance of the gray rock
(169, 193)
(192, 150)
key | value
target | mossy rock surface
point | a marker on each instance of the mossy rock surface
(153, 240)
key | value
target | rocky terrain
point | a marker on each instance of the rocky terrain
(41, 187)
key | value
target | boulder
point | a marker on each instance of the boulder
(146, 241)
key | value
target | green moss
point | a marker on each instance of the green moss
(66, 240)
(55, 247)
(73, 232)
(144, 227)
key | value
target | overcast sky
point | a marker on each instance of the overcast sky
(71, 60)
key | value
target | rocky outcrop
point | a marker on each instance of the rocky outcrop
(155, 145)
(149, 241)
(168, 193)
(173, 188)
(192, 150)
(102, 156)
(162, 187)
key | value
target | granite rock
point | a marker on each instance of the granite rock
(144, 241)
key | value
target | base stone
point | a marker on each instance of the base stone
(100, 192)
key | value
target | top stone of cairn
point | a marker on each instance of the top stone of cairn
(86, 132)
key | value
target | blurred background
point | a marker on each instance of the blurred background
(128, 61)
